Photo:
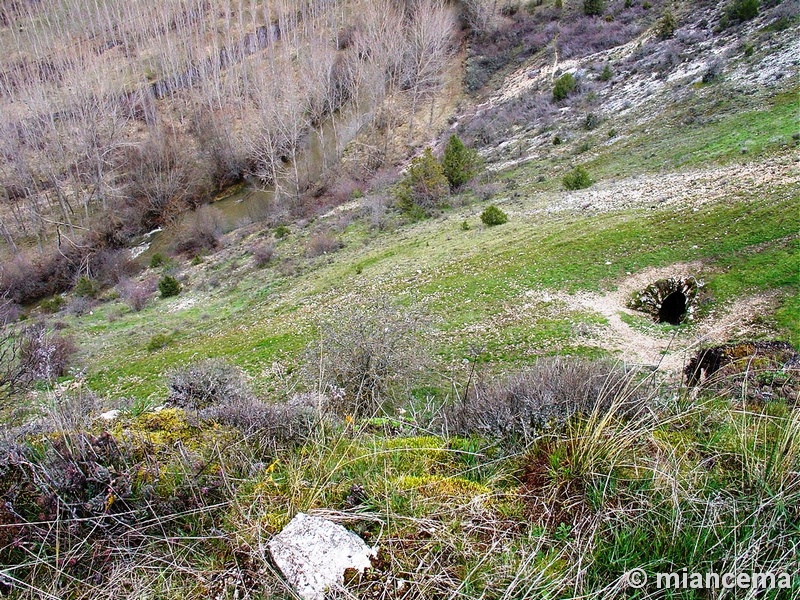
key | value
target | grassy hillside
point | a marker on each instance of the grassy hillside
(481, 403)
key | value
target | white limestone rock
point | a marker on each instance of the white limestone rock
(313, 553)
(109, 415)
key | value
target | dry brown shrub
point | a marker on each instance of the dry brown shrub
(322, 243)
(547, 394)
(208, 383)
(367, 356)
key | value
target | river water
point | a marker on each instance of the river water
(320, 149)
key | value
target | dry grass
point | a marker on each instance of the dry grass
(457, 517)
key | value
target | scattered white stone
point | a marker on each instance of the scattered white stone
(183, 304)
(137, 251)
(313, 553)
(109, 415)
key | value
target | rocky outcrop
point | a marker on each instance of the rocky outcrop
(314, 553)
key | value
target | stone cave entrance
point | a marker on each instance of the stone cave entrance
(669, 300)
(672, 309)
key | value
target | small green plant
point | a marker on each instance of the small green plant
(559, 4)
(465, 226)
(158, 341)
(197, 260)
(562, 532)
(52, 304)
(564, 86)
(666, 26)
(591, 122)
(557, 140)
(647, 5)
(606, 73)
(168, 286)
(577, 179)
(748, 49)
(459, 163)
(781, 24)
(85, 287)
(157, 260)
(593, 8)
(493, 216)
(281, 231)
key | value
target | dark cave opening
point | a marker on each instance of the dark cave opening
(672, 309)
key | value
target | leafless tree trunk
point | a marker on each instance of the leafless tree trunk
(430, 45)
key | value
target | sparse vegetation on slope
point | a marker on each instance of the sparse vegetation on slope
(496, 408)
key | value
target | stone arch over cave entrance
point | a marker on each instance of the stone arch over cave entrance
(672, 309)
(669, 300)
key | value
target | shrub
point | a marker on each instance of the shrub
(713, 71)
(546, 395)
(281, 231)
(200, 231)
(591, 122)
(742, 10)
(137, 294)
(424, 185)
(493, 216)
(262, 254)
(564, 86)
(85, 287)
(344, 189)
(111, 492)
(52, 304)
(322, 243)
(606, 73)
(593, 8)
(208, 383)
(459, 163)
(110, 266)
(157, 260)
(485, 191)
(9, 311)
(43, 356)
(158, 341)
(366, 356)
(80, 306)
(666, 26)
(168, 286)
(577, 179)
(275, 422)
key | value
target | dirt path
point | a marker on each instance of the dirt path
(660, 349)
